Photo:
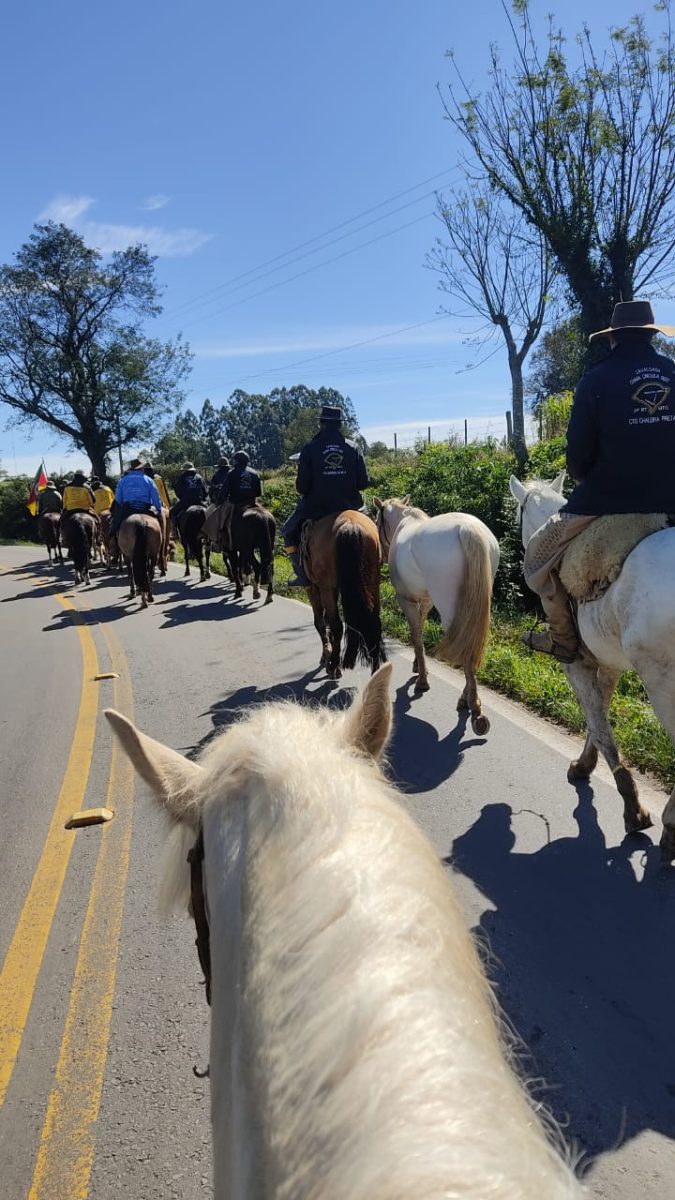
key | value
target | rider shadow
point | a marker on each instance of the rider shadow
(418, 759)
(216, 610)
(579, 947)
(228, 710)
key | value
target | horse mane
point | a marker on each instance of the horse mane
(356, 1021)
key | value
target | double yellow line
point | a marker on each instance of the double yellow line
(66, 1150)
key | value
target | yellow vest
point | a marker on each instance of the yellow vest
(161, 488)
(103, 498)
(76, 497)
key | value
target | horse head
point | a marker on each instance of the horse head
(537, 501)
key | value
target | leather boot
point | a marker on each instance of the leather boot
(300, 579)
(561, 640)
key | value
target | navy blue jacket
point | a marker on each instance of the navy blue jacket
(242, 486)
(190, 488)
(621, 435)
(331, 474)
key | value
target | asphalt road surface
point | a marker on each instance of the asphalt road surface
(102, 1012)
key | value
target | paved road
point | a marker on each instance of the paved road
(102, 1015)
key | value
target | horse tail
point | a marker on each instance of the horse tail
(464, 641)
(358, 579)
(78, 540)
(139, 558)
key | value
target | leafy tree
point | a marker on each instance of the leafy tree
(71, 354)
(182, 442)
(378, 450)
(501, 270)
(299, 430)
(585, 150)
(557, 363)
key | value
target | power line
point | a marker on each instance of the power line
(310, 241)
(301, 362)
(317, 267)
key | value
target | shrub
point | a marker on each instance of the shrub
(15, 519)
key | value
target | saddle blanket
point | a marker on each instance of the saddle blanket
(594, 559)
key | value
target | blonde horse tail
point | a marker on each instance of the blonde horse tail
(464, 641)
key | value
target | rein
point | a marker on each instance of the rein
(198, 903)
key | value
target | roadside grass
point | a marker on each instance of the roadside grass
(534, 680)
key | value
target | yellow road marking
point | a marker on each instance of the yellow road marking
(24, 956)
(66, 1151)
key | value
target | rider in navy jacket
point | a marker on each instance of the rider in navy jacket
(331, 473)
(243, 485)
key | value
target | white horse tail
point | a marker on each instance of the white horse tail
(464, 641)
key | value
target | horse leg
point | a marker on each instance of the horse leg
(207, 558)
(200, 558)
(470, 700)
(329, 599)
(320, 623)
(186, 551)
(584, 680)
(585, 764)
(415, 615)
(256, 576)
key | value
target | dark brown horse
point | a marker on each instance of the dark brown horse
(49, 528)
(140, 540)
(78, 532)
(343, 567)
(194, 541)
(251, 559)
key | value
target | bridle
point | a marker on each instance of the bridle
(381, 526)
(198, 904)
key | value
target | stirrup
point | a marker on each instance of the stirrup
(543, 643)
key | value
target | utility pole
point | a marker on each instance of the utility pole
(395, 445)
(466, 432)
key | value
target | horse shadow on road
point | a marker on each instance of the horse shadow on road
(419, 759)
(228, 710)
(581, 951)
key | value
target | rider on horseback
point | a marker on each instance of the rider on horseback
(190, 489)
(331, 473)
(103, 495)
(77, 497)
(241, 488)
(159, 484)
(620, 443)
(218, 479)
(49, 499)
(135, 493)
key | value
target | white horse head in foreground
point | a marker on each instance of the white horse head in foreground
(449, 561)
(355, 1047)
(630, 627)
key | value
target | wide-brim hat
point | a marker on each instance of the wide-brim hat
(50, 483)
(633, 314)
(135, 464)
(188, 466)
(328, 413)
(78, 475)
(223, 461)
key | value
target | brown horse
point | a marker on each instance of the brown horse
(194, 540)
(78, 532)
(253, 531)
(343, 564)
(49, 528)
(110, 550)
(140, 540)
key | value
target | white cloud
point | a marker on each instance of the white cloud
(168, 243)
(154, 202)
(66, 209)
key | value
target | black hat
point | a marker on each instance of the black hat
(241, 456)
(223, 461)
(79, 475)
(94, 480)
(328, 413)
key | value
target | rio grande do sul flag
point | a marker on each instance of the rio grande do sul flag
(38, 483)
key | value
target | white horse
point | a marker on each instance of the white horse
(355, 1047)
(631, 627)
(449, 561)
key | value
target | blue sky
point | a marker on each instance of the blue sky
(226, 136)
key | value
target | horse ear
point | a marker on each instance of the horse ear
(172, 777)
(377, 502)
(558, 482)
(517, 489)
(406, 500)
(369, 718)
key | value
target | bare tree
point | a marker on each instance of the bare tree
(500, 270)
(586, 151)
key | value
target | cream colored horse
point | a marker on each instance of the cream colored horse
(355, 1047)
(631, 627)
(449, 561)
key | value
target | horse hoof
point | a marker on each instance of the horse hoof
(268, 600)
(577, 771)
(667, 845)
(480, 725)
(421, 686)
(639, 822)
(336, 673)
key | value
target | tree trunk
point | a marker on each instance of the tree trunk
(517, 405)
(97, 457)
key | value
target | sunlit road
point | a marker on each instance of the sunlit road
(102, 1013)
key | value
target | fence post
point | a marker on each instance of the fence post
(466, 432)
(395, 444)
(428, 435)
(509, 428)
